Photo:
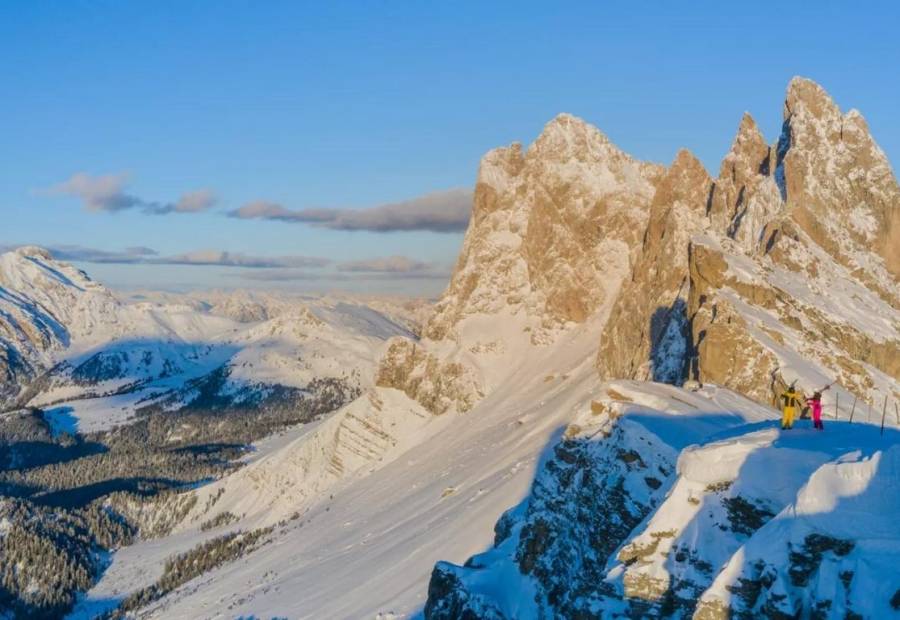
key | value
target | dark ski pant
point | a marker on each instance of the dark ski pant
(817, 419)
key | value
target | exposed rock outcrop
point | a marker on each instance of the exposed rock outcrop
(781, 269)
(553, 228)
(438, 385)
(740, 273)
(647, 335)
(838, 183)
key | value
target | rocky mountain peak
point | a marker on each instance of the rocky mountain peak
(679, 207)
(702, 278)
(646, 335)
(33, 251)
(806, 98)
(745, 196)
(684, 172)
(748, 155)
(568, 136)
(553, 229)
(838, 184)
(718, 255)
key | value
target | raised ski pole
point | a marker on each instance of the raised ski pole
(883, 413)
(852, 409)
(837, 399)
(897, 412)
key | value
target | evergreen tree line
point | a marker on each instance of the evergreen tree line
(203, 558)
(48, 556)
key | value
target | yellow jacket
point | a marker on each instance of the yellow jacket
(790, 398)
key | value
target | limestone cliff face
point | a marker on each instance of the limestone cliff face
(745, 196)
(739, 278)
(553, 228)
(785, 264)
(647, 335)
(724, 350)
(838, 183)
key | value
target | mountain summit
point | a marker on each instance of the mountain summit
(782, 269)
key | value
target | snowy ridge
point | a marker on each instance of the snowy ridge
(712, 504)
(356, 440)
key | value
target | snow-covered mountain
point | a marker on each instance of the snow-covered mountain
(662, 502)
(585, 427)
(44, 306)
(69, 343)
(655, 503)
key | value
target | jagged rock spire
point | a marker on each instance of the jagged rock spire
(745, 197)
(838, 183)
(647, 336)
(553, 229)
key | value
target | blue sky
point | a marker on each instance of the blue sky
(344, 105)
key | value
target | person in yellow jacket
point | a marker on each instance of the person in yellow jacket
(790, 400)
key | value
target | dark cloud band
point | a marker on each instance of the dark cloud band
(441, 212)
(106, 194)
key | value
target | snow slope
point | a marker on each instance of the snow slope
(366, 544)
(662, 499)
(367, 500)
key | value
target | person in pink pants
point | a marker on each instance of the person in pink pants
(815, 406)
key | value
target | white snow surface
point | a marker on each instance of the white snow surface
(422, 488)
(380, 490)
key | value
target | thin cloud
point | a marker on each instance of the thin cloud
(141, 250)
(91, 255)
(107, 194)
(237, 259)
(388, 268)
(191, 202)
(441, 212)
(147, 256)
(387, 264)
(292, 275)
